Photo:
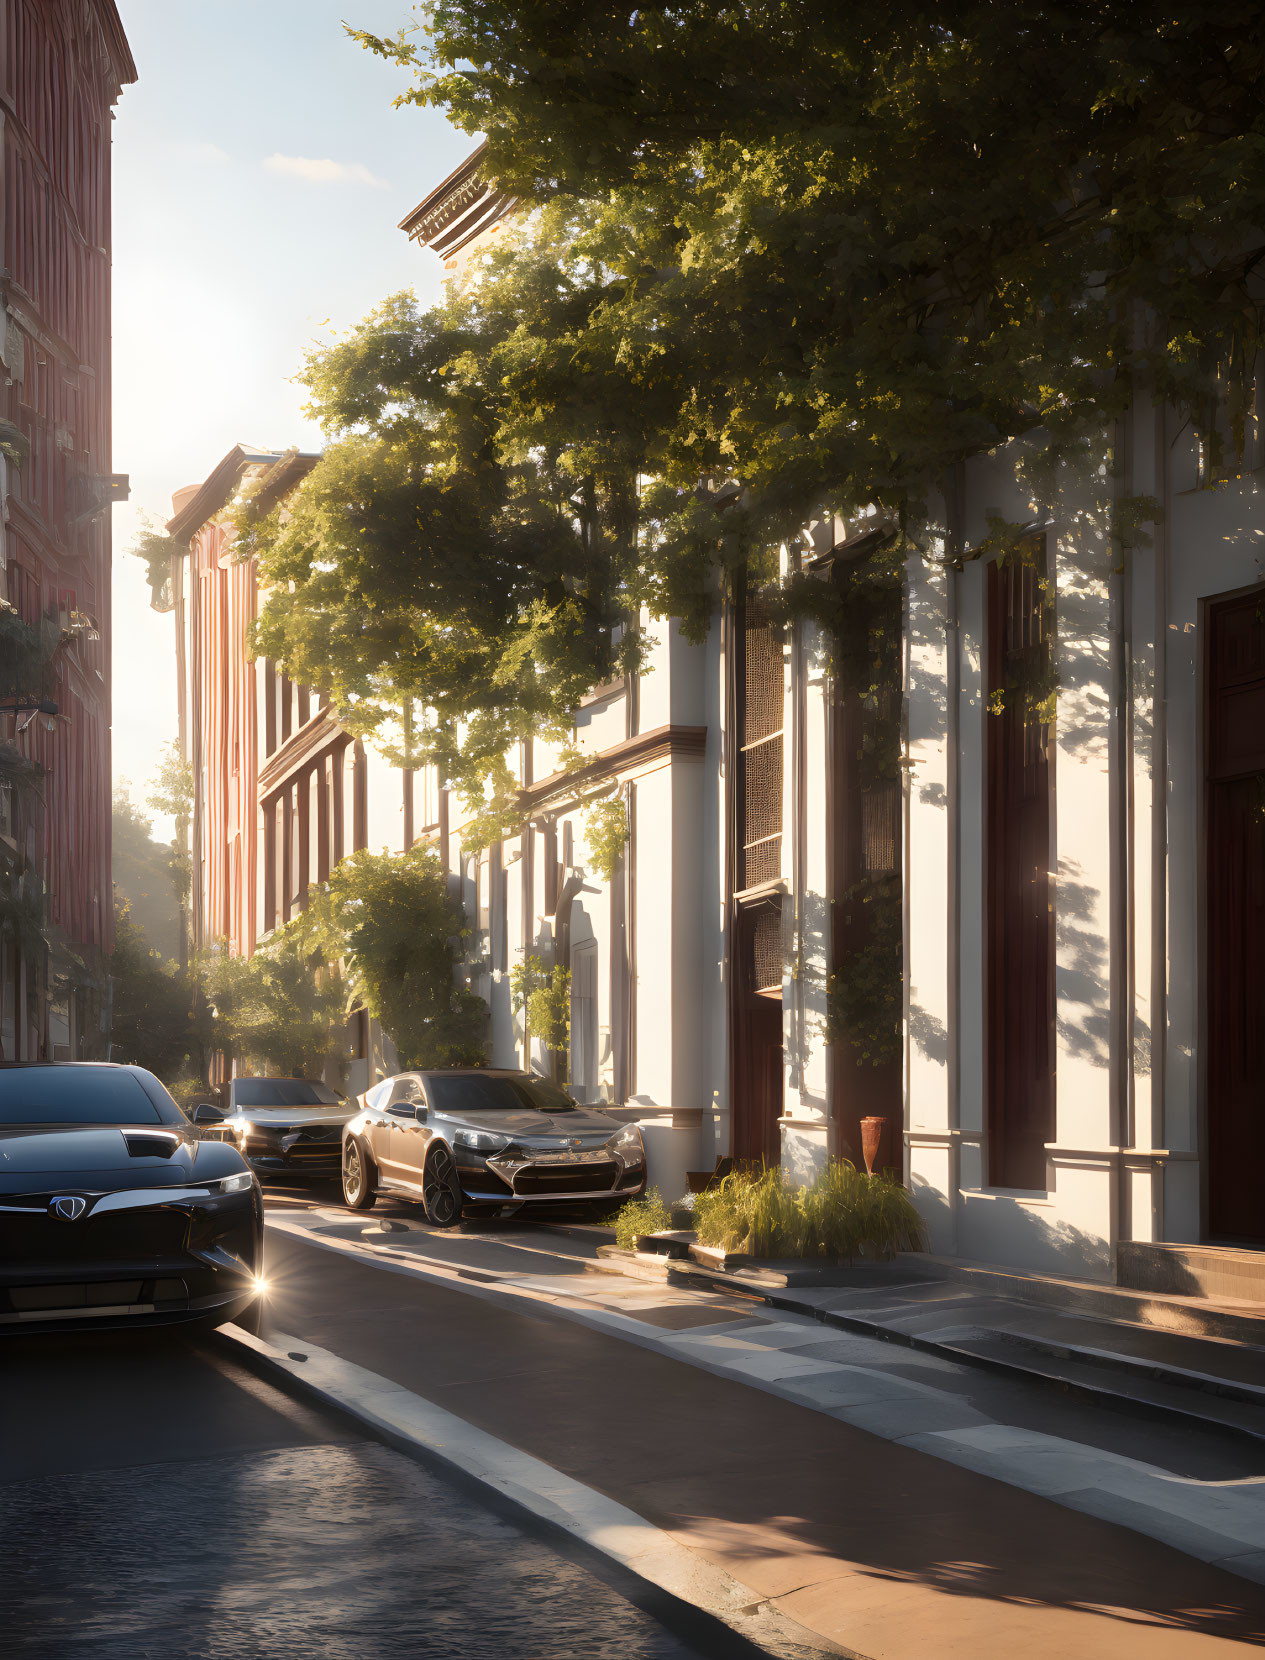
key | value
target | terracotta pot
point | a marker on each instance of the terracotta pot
(871, 1140)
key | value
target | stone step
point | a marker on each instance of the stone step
(1237, 1319)
(1098, 1378)
(1206, 1378)
(1227, 1273)
(1151, 1369)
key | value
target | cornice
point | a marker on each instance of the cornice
(298, 752)
(661, 743)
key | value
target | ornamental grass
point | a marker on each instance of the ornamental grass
(843, 1214)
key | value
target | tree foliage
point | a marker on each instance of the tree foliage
(160, 1017)
(780, 258)
(390, 919)
(283, 1007)
(149, 878)
(156, 550)
(543, 992)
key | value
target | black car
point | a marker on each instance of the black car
(281, 1125)
(114, 1211)
(468, 1139)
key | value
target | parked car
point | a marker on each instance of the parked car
(289, 1125)
(114, 1211)
(478, 1139)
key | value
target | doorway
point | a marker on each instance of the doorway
(1234, 809)
(1020, 916)
(757, 1033)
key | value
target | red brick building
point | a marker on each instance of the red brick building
(63, 64)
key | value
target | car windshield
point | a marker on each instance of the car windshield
(74, 1095)
(283, 1092)
(481, 1092)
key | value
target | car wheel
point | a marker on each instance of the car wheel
(359, 1178)
(441, 1191)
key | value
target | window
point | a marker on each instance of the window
(584, 1020)
(283, 1092)
(1020, 960)
(74, 1095)
(760, 687)
(406, 1092)
(462, 1092)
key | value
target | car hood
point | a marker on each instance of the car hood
(105, 1158)
(590, 1127)
(285, 1118)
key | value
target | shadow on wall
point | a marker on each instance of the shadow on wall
(1003, 1231)
(1082, 976)
(806, 1031)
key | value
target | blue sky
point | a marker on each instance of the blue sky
(260, 173)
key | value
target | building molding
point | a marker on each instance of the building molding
(301, 750)
(459, 208)
(620, 761)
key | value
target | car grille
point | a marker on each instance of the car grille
(565, 1178)
(32, 1238)
(321, 1132)
(90, 1294)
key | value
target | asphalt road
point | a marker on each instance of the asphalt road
(158, 1500)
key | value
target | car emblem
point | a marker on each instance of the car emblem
(68, 1208)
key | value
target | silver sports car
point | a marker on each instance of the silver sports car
(466, 1139)
(281, 1126)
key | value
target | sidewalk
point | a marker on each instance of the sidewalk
(875, 1545)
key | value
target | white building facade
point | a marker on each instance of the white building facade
(1076, 835)
(1046, 818)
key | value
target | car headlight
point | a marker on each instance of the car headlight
(481, 1141)
(628, 1145)
(238, 1182)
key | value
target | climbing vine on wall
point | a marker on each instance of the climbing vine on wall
(545, 994)
(606, 836)
(864, 998)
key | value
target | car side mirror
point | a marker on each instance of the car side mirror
(205, 1113)
(420, 1114)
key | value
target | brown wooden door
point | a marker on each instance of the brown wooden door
(866, 847)
(1235, 979)
(756, 1090)
(1020, 1071)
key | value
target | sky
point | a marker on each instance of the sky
(260, 174)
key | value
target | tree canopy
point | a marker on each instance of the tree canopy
(389, 918)
(149, 878)
(821, 253)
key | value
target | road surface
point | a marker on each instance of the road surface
(158, 1500)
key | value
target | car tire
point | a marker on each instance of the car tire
(360, 1178)
(441, 1190)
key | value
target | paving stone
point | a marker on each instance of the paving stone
(771, 1367)
(901, 1419)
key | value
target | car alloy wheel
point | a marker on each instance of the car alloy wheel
(358, 1179)
(441, 1191)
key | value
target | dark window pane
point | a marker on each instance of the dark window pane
(282, 1092)
(74, 1095)
(476, 1092)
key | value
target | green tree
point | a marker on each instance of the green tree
(780, 259)
(285, 1007)
(148, 877)
(171, 794)
(390, 918)
(160, 1017)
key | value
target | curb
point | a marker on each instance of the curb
(684, 1591)
(1151, 1518)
